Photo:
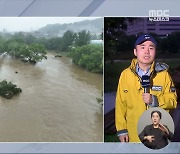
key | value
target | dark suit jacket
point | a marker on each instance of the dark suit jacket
(161, 138)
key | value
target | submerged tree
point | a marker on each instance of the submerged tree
(30, 53)
(8, 90)
(36, 53)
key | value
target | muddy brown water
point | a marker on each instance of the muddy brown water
(57, 103)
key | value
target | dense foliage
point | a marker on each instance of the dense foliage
(29, 48)
(67, 41)
(119, 45)
(17, 47)
(89, 57)
(82, 38)
(8, 90)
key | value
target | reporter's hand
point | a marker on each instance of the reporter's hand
(147, 98)
(124, 138)
(150, 138)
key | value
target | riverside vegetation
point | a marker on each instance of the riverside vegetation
(28, 48)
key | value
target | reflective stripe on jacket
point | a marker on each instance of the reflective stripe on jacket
(129, 103)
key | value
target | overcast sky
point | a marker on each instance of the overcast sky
(12, 24)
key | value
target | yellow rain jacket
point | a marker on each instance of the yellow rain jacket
(129, 103)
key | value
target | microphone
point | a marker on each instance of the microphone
(145, 82)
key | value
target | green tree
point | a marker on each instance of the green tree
(8, 90)
(42, 40)
(114, 34)
(13, 48)
(67, 40)
(29, 39)
(89, 57)
(36, 53)
(18, 37)
(54, 43)
(2, 41)
(82, 38)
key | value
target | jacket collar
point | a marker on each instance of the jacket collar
(134, 63)
(157, 66)
(161, 67)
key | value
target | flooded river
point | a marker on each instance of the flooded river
(57, 103)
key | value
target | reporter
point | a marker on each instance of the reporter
(131, 100)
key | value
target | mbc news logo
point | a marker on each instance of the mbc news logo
(158, 15)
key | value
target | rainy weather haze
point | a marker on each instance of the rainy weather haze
(51, 81)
